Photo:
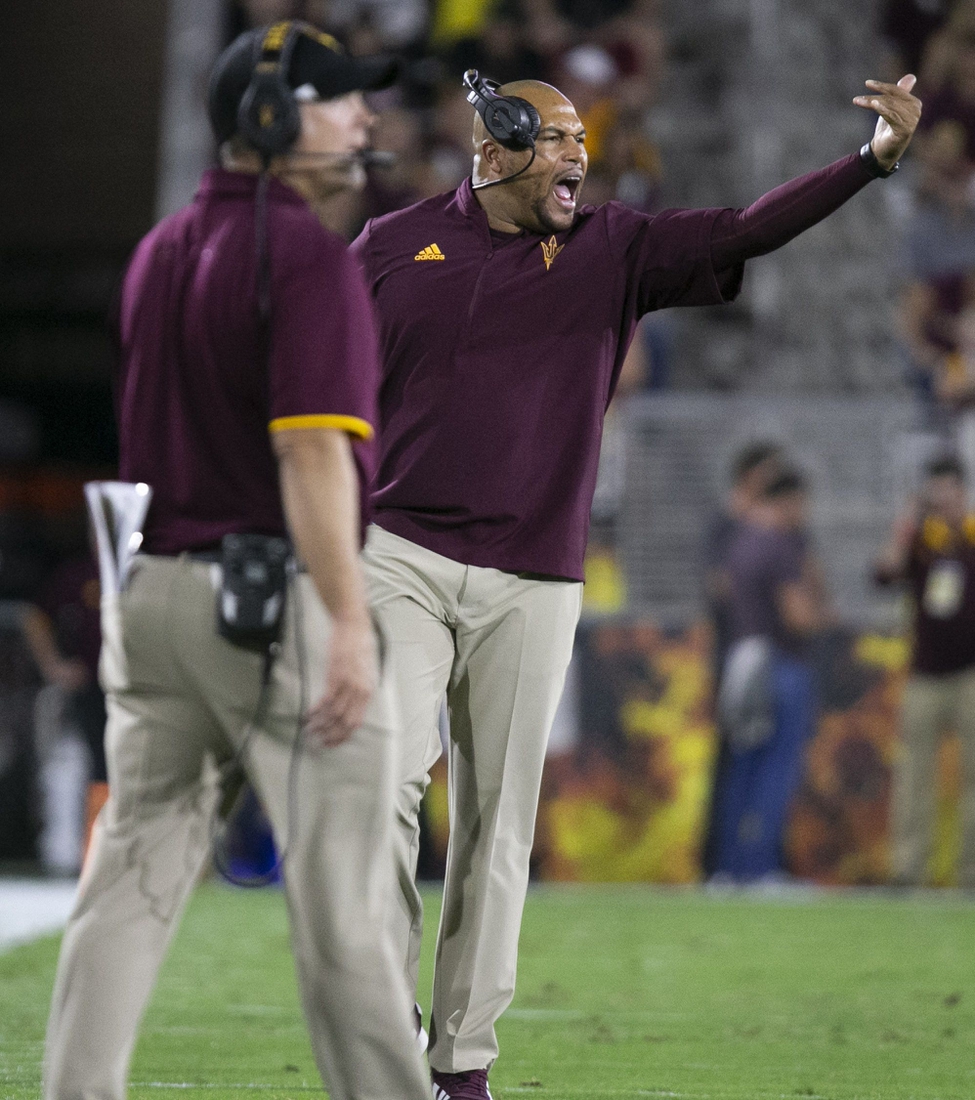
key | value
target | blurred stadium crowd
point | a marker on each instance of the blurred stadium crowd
(610, 58)
(936, 317)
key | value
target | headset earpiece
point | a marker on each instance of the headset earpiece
(528, 129)
(268, 117)
(511, 121)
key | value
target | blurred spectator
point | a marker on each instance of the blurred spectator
(555, 22)
(394, 24)
(391, 24)
(19, 815)
(63, 633)
(633, 162)
(952, 99)
(459, 21)
(586, 75)
(907, 25)
(932, 552)
(498, 48)
(637, 43)
(766, 699)
(939, 48)
(940, 259)
(956, 382)
(752, 468)
(606, 55)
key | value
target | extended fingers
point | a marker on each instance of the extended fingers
(899, 93)
(893, 102)
(887, 102)
(902, 89)
(872, 103)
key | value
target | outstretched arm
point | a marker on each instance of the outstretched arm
(782, 214)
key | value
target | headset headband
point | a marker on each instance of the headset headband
(511, 121)
(278, 45)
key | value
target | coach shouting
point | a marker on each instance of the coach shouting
(246, 393)
(506, 309)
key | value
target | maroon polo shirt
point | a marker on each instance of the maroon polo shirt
(501, 353)
(200, 389)
(500, 359)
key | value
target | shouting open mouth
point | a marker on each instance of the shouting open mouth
(567, 188)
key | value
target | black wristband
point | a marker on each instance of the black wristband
(868, 158)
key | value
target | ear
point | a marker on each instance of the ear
(492, 155)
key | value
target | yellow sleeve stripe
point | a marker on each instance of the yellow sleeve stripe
(362, 429)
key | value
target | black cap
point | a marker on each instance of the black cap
(318, 60)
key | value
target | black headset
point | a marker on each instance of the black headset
(268, 116)
(512, 122)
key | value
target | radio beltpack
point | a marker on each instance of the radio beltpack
(250, 604)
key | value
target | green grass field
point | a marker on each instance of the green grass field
(622, 993)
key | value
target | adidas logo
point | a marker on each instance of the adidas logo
(431, 252)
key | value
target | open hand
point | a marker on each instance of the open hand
(899, 112)
(350, 680)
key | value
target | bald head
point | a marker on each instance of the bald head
(543, 97)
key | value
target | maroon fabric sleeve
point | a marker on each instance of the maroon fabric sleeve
(772, 221)
(324, 359)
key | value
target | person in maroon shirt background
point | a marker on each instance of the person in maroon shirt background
(931, 551)
(767, 698)
(247, 391)
(505, 310)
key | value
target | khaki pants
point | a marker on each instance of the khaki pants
(933, 705)
(180, 698)
(499, 646)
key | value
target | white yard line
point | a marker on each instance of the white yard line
(252, 1087)
(536, 1090)
(33, 907)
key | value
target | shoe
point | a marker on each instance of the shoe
(422, 1039)
(472, 1084)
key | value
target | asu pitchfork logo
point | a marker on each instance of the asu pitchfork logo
(550, 249)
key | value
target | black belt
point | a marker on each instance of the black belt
(215, 557)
